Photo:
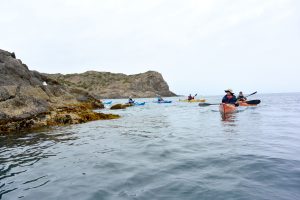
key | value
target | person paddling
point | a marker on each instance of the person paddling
(130, 101)
(190, 97)
(159, 99)
(229, 97)
(241, 97)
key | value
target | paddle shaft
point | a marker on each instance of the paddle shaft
(251, 94)
(208, 104)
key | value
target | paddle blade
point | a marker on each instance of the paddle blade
(253, 102)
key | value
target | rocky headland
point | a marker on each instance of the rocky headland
(116, 85)
(31, 100)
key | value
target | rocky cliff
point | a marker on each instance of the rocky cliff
(29, 99)
(113, 85)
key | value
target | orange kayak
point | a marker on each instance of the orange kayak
(226, 108)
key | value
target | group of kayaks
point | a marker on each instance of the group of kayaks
(224, 108)
(138, 103)
(163, 101)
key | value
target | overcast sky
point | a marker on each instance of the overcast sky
(200, 46)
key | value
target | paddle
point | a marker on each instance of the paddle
(251, 94)
(207, 104)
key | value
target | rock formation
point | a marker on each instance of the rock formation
(27, 103)
(112, 85)
(120, 106)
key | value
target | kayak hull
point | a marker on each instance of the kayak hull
(136, 104)
(162, 101)
(193, 100)
(225, 108)
(139, 103)
(107, 102)
(246, 104)
(249, 103)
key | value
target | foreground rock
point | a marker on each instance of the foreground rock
(112, 85)
(30, 100)
(120, 106)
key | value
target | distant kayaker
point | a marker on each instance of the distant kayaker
(241, 97)
(229, 97)
(159, 99)
(130, 100)
(190, 97)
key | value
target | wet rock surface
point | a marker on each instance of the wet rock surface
(26, 102)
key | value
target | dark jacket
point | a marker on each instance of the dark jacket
(241, 98)
(231, 100)
(130, 101)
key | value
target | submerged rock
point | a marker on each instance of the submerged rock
(120, 106)
(26, 102)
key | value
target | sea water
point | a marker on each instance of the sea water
(161, 151)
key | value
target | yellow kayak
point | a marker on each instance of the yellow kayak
(193, 100)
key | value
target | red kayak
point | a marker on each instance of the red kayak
(226, 108)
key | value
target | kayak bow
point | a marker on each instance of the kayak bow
(226, 108)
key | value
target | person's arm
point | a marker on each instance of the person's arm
(224, 99)
(234, 99)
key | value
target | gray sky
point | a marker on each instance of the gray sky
(200, 46)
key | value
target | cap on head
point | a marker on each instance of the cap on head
(229, 90)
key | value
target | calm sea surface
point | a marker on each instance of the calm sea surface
(161, 151)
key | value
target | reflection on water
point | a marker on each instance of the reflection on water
(21, 151)
(230, 117)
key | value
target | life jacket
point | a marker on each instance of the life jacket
(228, 98)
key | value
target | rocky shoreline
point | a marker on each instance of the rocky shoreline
(30, 100)
(106, 85)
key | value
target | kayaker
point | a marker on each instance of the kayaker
(241, 97)
(159, 99)
(130, 100)
(190, 97)
(229, 97)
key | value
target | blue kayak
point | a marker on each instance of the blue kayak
(164, 101)
(107, 102)
(139, 103)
